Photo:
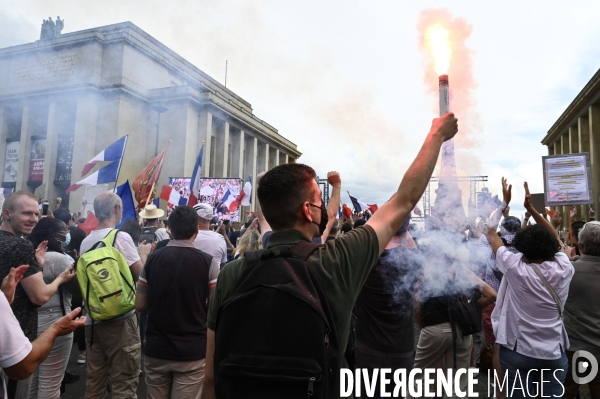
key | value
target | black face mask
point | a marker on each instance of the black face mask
(324, 218)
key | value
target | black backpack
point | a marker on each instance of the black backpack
(275, 336)
(148, 234)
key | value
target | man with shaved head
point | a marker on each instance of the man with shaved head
(114, 354)
(20, 214)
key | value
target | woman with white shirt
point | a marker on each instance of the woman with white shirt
(48, 377)
(527, 319)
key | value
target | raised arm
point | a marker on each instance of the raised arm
(39, 292)
(492, 223)
(388, 219)
(334, 202)
(539, 219)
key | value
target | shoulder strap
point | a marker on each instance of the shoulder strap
(303, 249)
(105, 240)
(549, 288)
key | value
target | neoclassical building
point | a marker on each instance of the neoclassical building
(64, 99)
(578, 130)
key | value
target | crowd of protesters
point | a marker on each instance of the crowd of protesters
(372, 277)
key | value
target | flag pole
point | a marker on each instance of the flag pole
(159, 170)
(120, 161)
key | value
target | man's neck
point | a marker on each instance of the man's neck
(202, 228)
(7, 227)
(154, 224)
(106, 224)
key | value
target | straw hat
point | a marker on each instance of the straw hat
(151, 212)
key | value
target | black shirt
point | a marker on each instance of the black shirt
(385, 303)
(177, 282)
(14, 252)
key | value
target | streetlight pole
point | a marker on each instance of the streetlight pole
(159, 110)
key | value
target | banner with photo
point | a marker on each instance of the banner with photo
(210, 191)
(12, 161)
(36, 160)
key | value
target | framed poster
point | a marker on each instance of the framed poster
(12, 161)
(567, 179)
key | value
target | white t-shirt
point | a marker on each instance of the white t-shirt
(124, 243)
(213, 244)
(14, 345)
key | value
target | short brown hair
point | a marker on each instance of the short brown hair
(282, 190)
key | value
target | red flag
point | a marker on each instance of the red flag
(347, 211)
(373, 207)
(192, 200)
(90, 224)
(147, 180)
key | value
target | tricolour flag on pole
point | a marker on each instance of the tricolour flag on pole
(359, 206)
(144, 185)
(107, 174)
(169, 194)
(245, 197)
(113, 152)
(196, 175)
(124, 192)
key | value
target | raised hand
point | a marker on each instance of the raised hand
(556, 219)
(334, 178)
(592, 213)
(10, 282)
(506, 191)
(527, 203)
(446, 126)
(40, 253)
(67, 274)
(572, 211)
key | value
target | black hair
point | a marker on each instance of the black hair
(346, 227)
(62, 214)
(183, 222)
(512, 224)
(45, 230)
(536, 243)
(576, 227)
(77, 237)
(133, 228)
(359, 222)
(281, 192)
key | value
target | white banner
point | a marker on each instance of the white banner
(12, 161)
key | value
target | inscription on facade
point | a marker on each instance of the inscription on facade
(45, 67)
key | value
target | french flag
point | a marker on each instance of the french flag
(169, 194)
(107, 174)
(195, 182)
(113, 152)
(229, 201)
(245, 197)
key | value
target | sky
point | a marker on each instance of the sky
(345, 80)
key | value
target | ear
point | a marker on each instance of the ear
(6, 214)
(306, 211)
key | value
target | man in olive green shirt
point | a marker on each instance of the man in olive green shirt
(291, 202)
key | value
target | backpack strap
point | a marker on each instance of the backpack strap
(303, 249)
(549, 288)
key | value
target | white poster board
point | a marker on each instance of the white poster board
(91, 192)
(567, 179)
(12, 161)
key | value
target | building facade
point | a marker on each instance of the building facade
(578, 130)
(64, 99)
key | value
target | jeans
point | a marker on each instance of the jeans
(539, 377)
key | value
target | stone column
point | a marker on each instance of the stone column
(51, 152)
(206, 132)
(583, 125)
(267, 149)
(275, 159)
(594, 134)
(84, 144)
(225, 150)
(193, 142)
(287, 160)
(254, 172)
(242, 147)
(24, 150)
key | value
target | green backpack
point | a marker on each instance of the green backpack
(105, 280)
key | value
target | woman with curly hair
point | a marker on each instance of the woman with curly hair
(48, 377)
(527, 320)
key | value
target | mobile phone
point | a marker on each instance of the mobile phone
(45, 207)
